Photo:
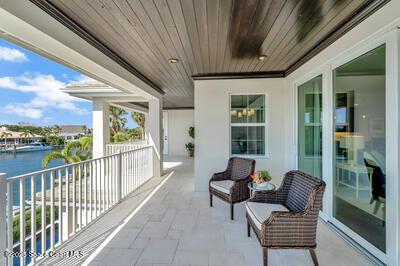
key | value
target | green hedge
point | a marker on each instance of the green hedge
(28, 214)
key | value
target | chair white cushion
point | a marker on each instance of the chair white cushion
(223, 185)
(260, 212)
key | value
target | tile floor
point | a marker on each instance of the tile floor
(177, 227)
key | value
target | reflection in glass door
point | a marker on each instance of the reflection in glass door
(310, 127)
(359, 146)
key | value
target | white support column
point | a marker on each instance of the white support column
(101, 127)
(153, 133)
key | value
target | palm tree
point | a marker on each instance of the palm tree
(56, 129)
(75, 151)
(5, 135)
(134, 133)
(25, 134)
(47, 131)
(119, 137)
(139, 118)
(117, 119)
(84, 129)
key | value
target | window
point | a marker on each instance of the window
(248, 124)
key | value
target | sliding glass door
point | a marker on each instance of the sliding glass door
(359, 159)
(310, 127)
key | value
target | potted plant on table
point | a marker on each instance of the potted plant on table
(190, 149)
(261, 178)
(190, 146)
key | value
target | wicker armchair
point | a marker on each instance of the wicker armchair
(231, 185)
(287, 217)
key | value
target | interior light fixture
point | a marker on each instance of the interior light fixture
(262, 57)
(173, 60)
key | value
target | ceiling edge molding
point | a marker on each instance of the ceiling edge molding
(240, 75)
(178, 108)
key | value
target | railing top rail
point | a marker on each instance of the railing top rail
(130, 141)
(44, 171)
(127, 144)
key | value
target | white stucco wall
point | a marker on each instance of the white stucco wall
(212, 126)
(179, 122)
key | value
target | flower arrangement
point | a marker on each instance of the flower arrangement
(261, 176)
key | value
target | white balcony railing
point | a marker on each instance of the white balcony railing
(65, 199)
(113, 148)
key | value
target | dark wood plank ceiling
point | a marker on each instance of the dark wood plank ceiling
(209, 37)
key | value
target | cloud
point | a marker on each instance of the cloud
(12, 55)
(46, 93)
(23, 110)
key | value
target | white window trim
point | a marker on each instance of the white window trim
(266, 154)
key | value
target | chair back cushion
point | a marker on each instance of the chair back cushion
(300, 190)
(240, 168)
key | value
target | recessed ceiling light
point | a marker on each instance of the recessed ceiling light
(262, 57)
(173, 60)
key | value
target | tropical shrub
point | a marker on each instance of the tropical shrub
(75, 151)
(28, 225)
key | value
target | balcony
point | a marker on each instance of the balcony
(61, 202)
(165, 221)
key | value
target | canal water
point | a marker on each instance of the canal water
(23, 163)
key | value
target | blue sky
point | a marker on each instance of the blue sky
(29, 90)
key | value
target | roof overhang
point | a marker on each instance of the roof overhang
(96, 90)
(91, 90)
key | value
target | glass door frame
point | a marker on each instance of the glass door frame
(391, 38)
(324, 72)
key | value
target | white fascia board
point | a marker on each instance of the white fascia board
(122, 99)
(106, 95)
(25, 23)
(94, 91)
(131, 106)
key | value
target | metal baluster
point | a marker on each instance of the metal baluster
(91, 190)
(33, 217)
(52, 218)
(80, 196)
(43, 180)
(60, 207)
(114, 179)
(95, 180)
(135, 170)
(10, 218)
(67, 202)
(109, 182)
(103, 181)
(22, 219)
(85, 169)
(73, 199)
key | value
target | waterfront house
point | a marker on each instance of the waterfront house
(293, 85)
(10, 138)
(72, 132)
